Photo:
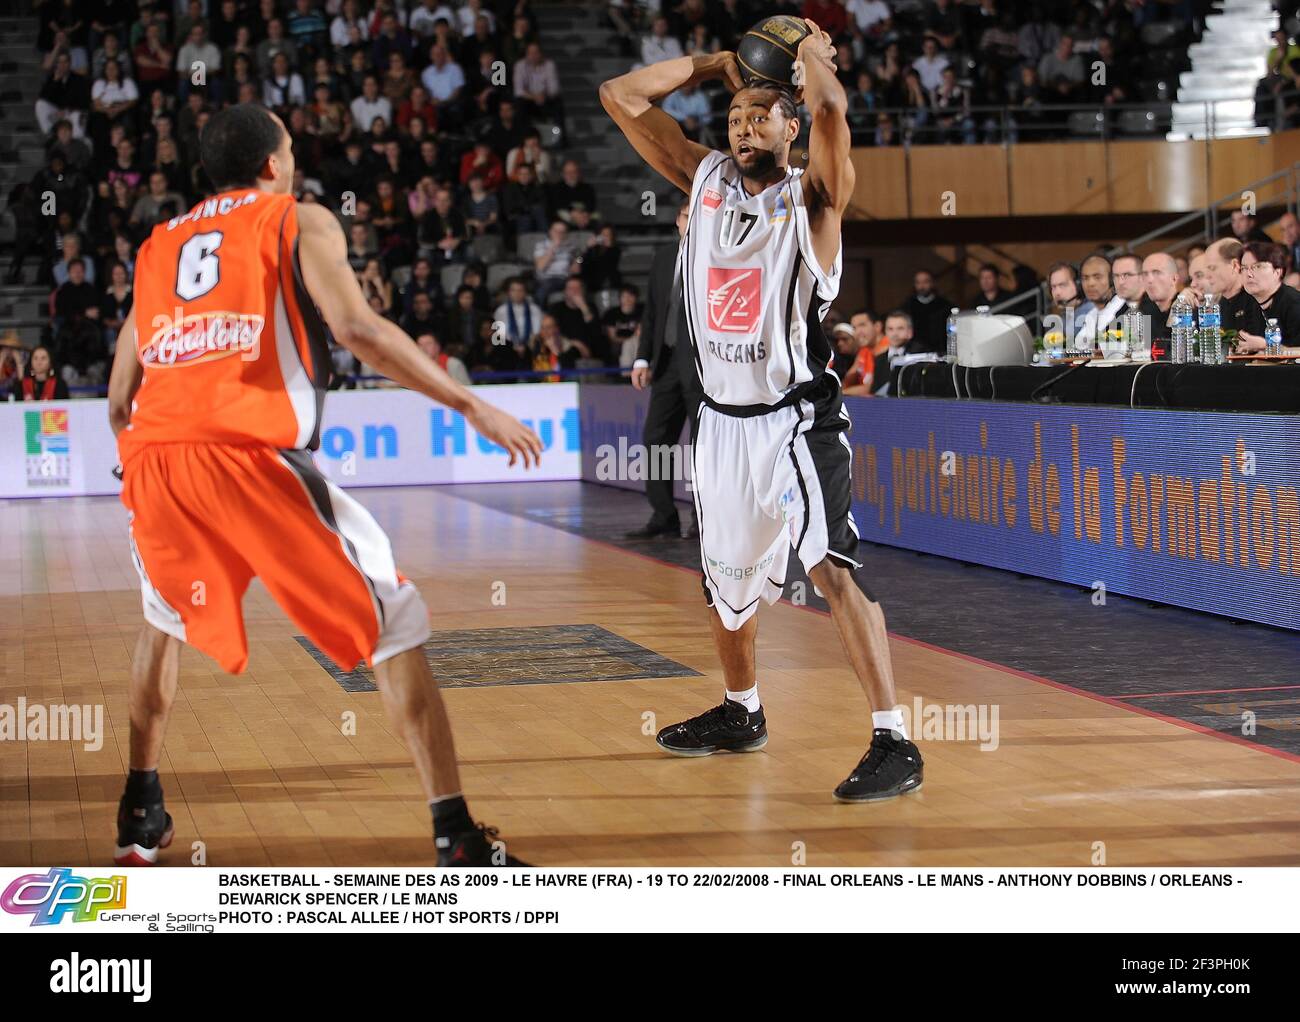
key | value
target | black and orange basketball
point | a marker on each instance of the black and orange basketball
(766, 52)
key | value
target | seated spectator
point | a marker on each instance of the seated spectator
(537, 86)
(148, 209)
(689, 107)
(307, 27)
(1102, 305)
(428, 342)
(444, 81)
(950, 107)
(112, 98)
(474, 278)
(600, 261)
(576, 317)
(276, 41)
(519, 317)
(442, 233)
(621, 324)
(399, 80)
(845, 345)
(860, 376)
(422, 280)
(115, 305)
(930, 64)
(1223, 277)
(76, 154)
(154, 59)
(530, 152)
(78, 337)
(554, 259)
(110, 48)
(422, 317)
(373, 279)
(1160, 282)
(899, 344)
(198, 60)
(1245, 229)
(481, 160)
(40, 381)
(283, 87)
(480, 208)
(659, 44)
(524, 204)
(928, 310)
(63, 97)
(569, 191)
(1063, 287)
(1262, 263)
(371, 104)
(870, 20)
(991, 291)
(700, 43)
(551, 350)
(1061, 72)
(363, 245)
(72, 251)
(1038, 36)
(464, 320)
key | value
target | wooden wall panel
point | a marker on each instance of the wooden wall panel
(881, 189)
(1050, 179)
(1156, 176)
(975, 175)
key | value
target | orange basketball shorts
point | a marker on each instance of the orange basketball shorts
(205, 519)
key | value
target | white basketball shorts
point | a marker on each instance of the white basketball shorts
(764, 483)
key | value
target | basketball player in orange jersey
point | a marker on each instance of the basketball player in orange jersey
(759, 265)
(215, 397)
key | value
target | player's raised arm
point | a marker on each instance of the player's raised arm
(323, 253)
(124, 379)
(830, 174)
(630, 99)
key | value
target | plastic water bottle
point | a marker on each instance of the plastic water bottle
(1211, 333)
(1132, 339)
(1180, 341)
(952, 335)
(1273, 338)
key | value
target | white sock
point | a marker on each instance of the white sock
(748, 698)
(889, 719)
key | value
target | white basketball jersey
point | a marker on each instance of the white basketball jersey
(753, 290)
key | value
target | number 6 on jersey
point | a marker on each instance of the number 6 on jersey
(197, 271)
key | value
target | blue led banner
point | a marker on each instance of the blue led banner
(1197, 509)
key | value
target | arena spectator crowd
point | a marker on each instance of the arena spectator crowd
(930, 71)
(434, 129)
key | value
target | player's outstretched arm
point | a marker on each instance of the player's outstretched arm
(630, 99)
(323, 253)
(124, 379)
(829, 176)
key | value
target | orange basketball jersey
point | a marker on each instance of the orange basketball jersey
(233, 349)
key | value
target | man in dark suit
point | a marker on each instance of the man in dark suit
(664, 362)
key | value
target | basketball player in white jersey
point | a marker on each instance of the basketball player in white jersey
(758, 267)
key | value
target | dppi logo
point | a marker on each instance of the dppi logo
(47, 899)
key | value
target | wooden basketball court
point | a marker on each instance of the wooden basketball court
(285, 766)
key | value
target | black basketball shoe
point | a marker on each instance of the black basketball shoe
(891, 767)
(477, 847)
(142, 832)
(728, 727)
